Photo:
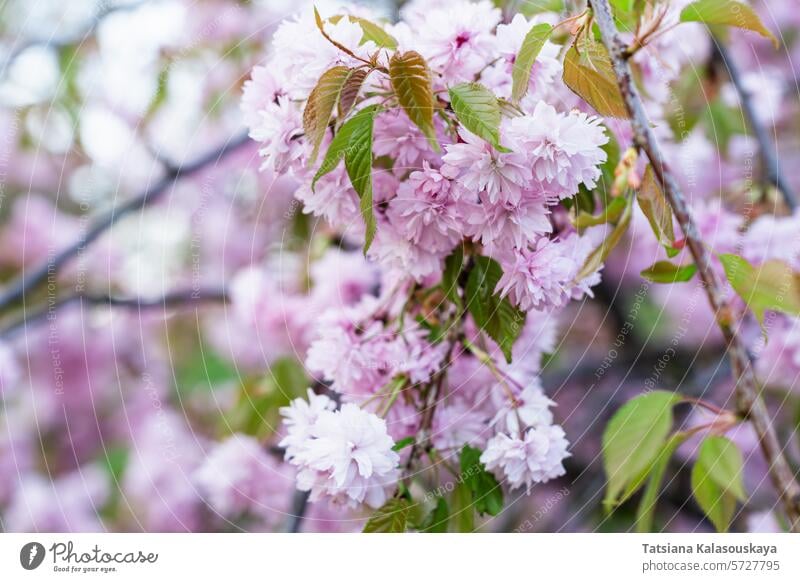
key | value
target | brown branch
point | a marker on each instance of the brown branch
(422, 444)
(749, 401)
(297, 511)
(770, 167)
(171, 300)
(18, 288)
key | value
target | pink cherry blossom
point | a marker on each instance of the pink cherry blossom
(564, 149)
(535, 458)
(426, 211)
(348, 458)
(537, 277)
(481, 168)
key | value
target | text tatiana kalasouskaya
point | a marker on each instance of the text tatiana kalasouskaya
(748, 548)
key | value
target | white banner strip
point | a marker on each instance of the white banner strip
(400, 557)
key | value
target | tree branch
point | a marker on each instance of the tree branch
(17, 289)
(173, 299)
(749, 401)
(766, 149)
(298, 511)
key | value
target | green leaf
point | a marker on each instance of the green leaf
(320, 105)
(658, 212)
(353, 142)
(487, 494)
(666, 272)
(375, 33)
(688, 102)
(436, 332)
(116, 461)
(411, 81)
(453, 265)
(497, 317)
(463, 510)
(437, 520)
(724, 464)
(71, 62)
(611, 213)
(583, 201)
(161, 94)
(606, 183)
(622, 5)
(715, 503)
(256, 412)
(478, 110)
(341, 141)
(392, 517)
(204, 370)
(729, 13)
(370, 31)
(633, 438)
(589, 73)
(647, 505)
(599, 255)
(358, 161)
(403, 443)
(722, 122)
(529, 8)
(772, 286)
(717, 480)
(625, 13)
(523, 63)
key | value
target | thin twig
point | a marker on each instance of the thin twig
(422, 443)
(749, 401)
(171, 300)
(17, 289)
(770, 167)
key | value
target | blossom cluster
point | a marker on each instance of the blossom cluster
(533, 448)
(428, 202)
(433, 193)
